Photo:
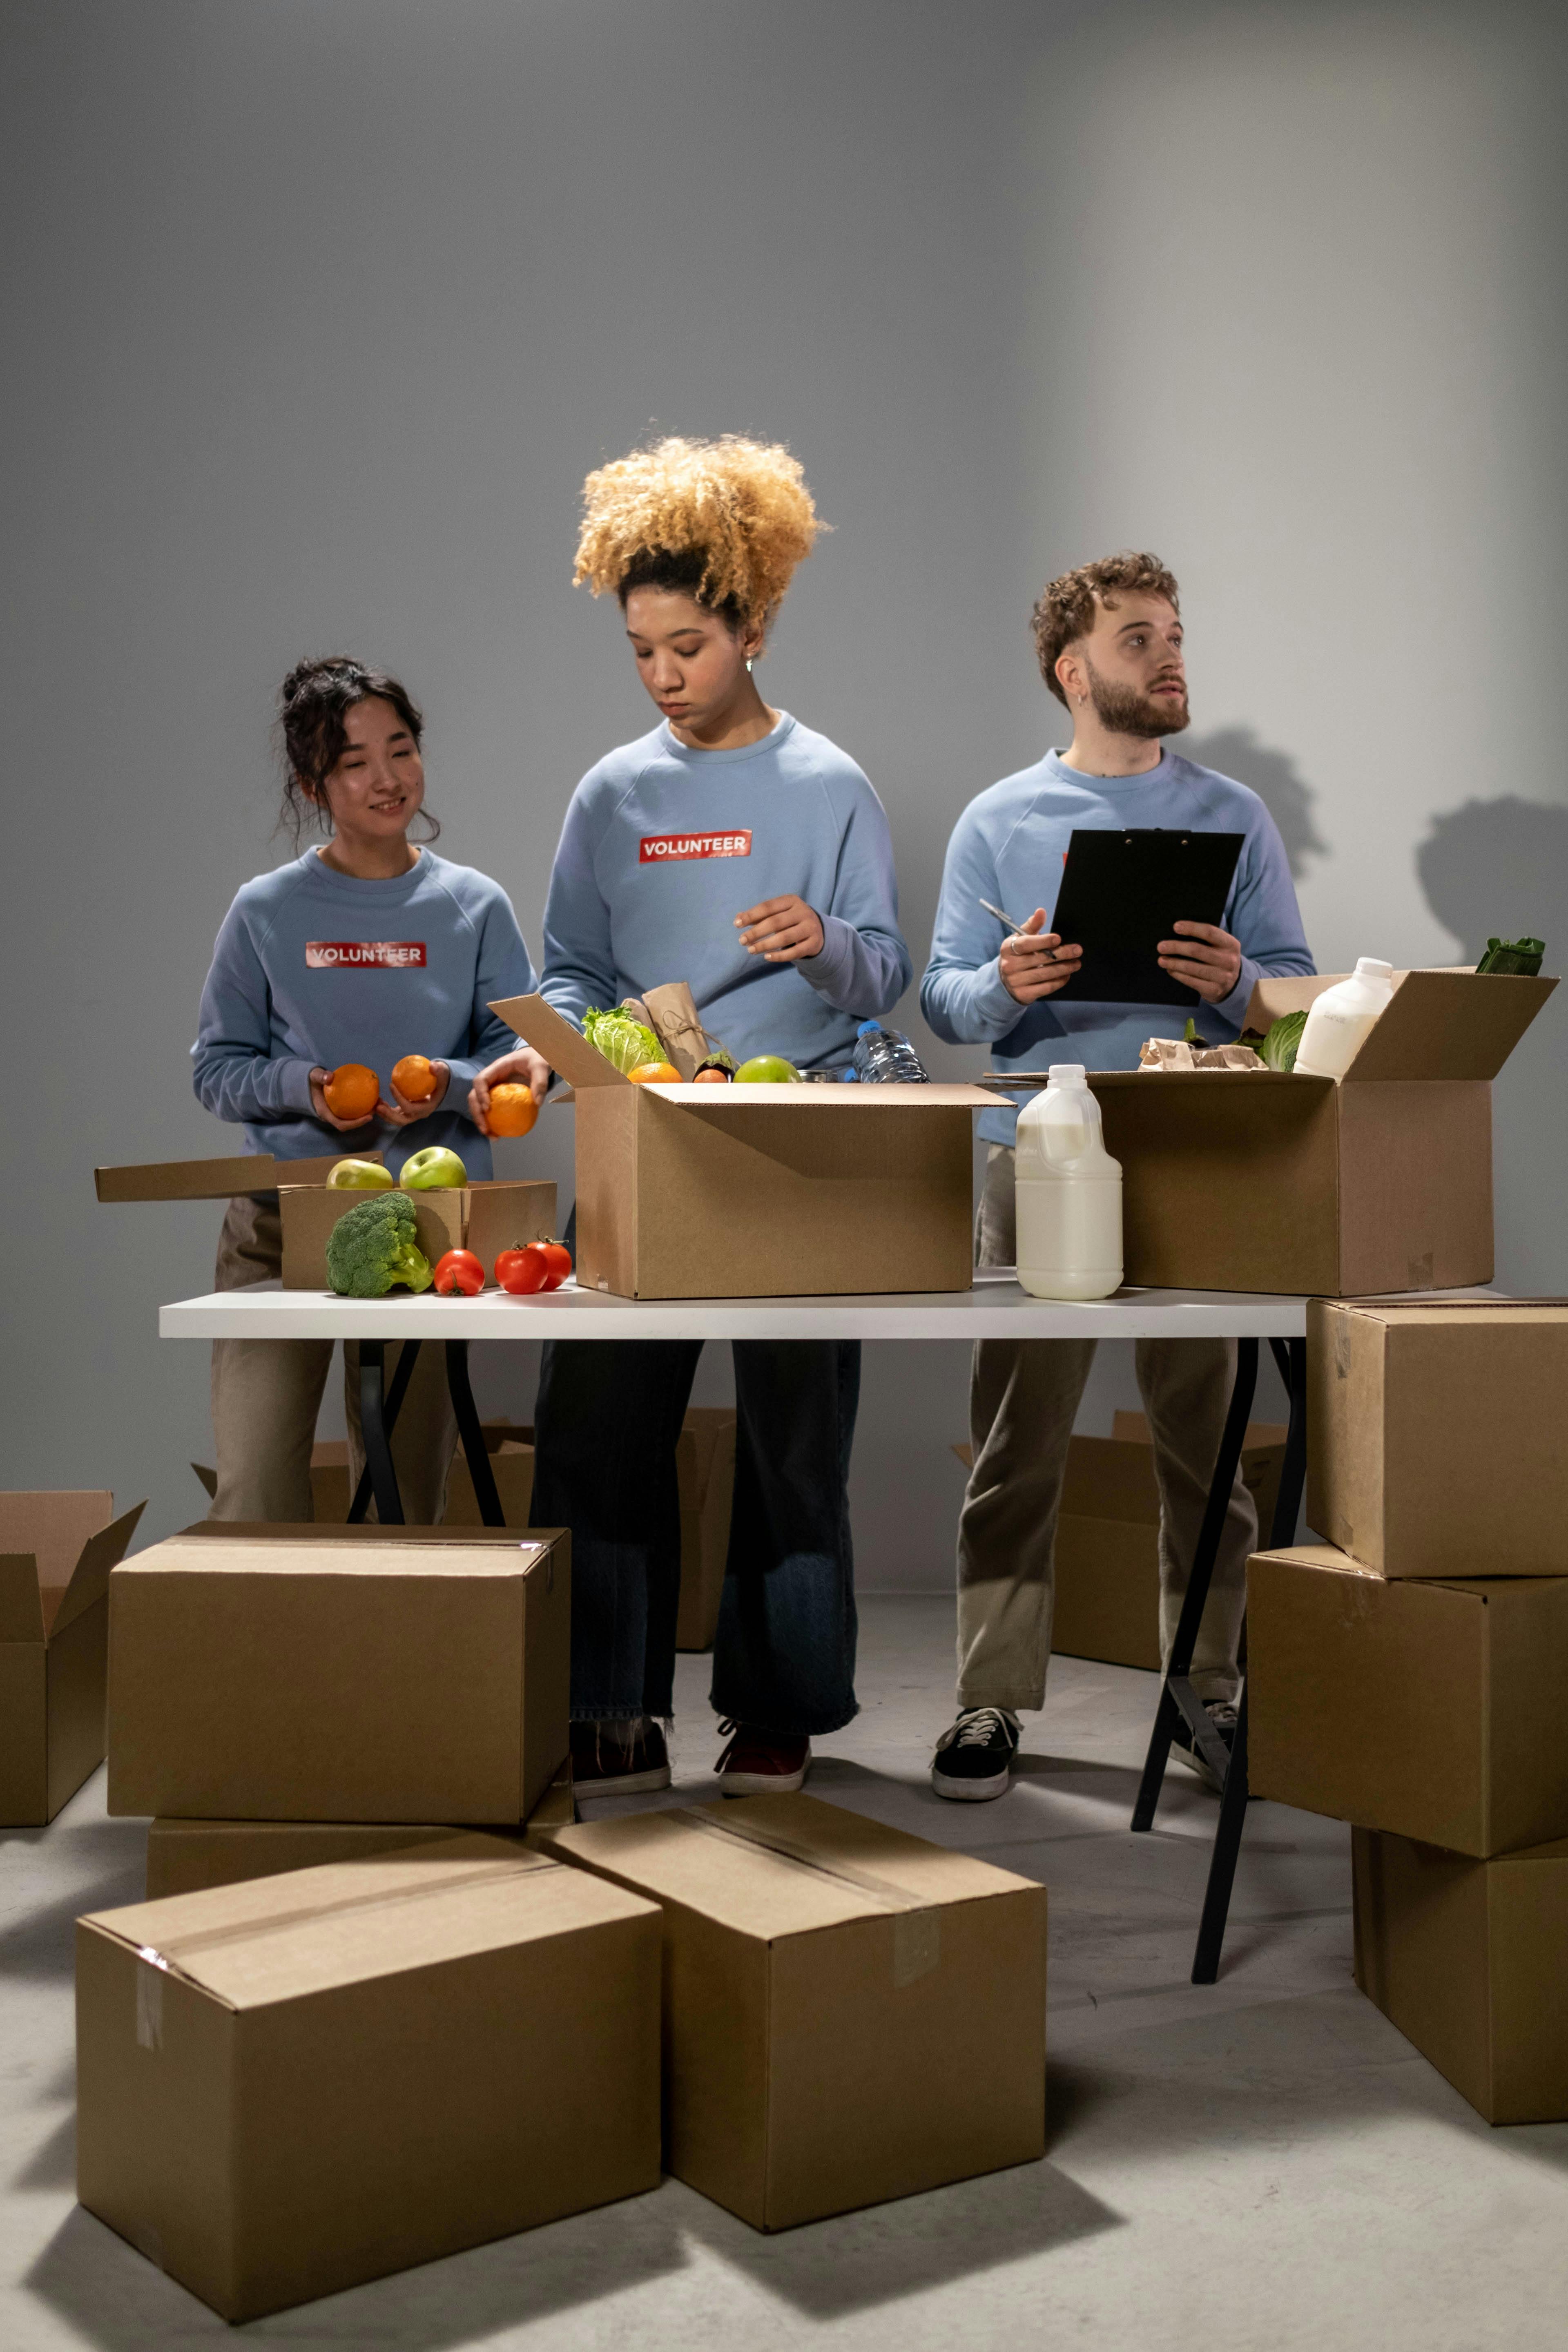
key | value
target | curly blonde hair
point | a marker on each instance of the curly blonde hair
(1066, 608)
(726, 521)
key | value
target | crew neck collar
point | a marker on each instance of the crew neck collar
(1159, 773)
(670, 742)
(391, 886)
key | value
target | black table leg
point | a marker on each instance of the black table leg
(1178, 1700)
(372, 1430)
(472, 1436)
(1290, 1355)
(389, 1412)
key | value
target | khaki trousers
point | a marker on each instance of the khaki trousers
(265, 1395)
(1023, 1399)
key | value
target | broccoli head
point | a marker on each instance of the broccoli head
(373, 1246)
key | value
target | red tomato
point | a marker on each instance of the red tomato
(458, 1275)
(558, 1258)
(523, 1271)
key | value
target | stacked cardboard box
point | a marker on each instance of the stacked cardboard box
(1411, 1675)
(56, 1554)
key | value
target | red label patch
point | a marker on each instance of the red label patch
(358, 955)
(655, 848)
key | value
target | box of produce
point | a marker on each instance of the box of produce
(446, 1213)
(212, 1180)
(356, 1674)
(743, 1189)
(56, 1553)
(1257, 1178)
(294, 2084)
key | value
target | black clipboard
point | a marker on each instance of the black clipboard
(1122, 893)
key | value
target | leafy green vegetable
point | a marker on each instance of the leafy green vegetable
(1278, 1050)
(1518, 956)
(373, 1246)
(621, 1040)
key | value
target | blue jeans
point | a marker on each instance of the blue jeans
(606, 1425)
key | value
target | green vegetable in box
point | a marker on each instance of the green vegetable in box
(373, 1247)
(1523, 957)
(626, 1042)
(1278, 1048)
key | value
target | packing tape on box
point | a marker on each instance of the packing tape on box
(917, 1924)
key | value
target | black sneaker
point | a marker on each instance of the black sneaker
(974, 1758)
(619, 1758)
(1185, 1748)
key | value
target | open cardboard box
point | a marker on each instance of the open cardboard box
(486, 1217)
(1266, 1182)
(56, 1553)
(727, 1191)
(214, 1180)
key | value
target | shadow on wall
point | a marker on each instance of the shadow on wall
(1236, 751)
(1498, 869)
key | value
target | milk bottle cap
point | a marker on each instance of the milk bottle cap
(1369, 968)
(1068, 1074)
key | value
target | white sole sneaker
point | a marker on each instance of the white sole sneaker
(625, 1784)
(763, 1784)
(970, 1793)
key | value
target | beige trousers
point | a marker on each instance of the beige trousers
(267, 1394)
(1023, 1399)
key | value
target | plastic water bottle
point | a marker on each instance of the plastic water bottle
(1338, 1021)
(1069, 1194)
(886, 1055)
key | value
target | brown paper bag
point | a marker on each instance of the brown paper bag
(672, 1013)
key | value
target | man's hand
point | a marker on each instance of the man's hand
(1205, 958)
(781, 931)
(401, 1112)
(522, 1067)
(330, 1118)
(1034, 963)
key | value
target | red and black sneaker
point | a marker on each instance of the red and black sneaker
(619, 1758)
(760, 1763)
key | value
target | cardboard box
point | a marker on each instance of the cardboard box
(705, 1473)
(694, 1192)
(1438, 1711)
(56, 1553)
(363, 1673)
(1435, 1438)
(510, 1451)
(1107, 1560)
(849, 2014)
(486, 1217)
(1465, 1958)
(214, 1180)
(183, 1856)
(1270, 1183)
(288, 2086)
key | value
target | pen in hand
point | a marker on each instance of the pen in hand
(1047, 956)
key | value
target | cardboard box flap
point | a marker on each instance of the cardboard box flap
(89, 1581)
(1449, 1025)
(564, 1047)
(214, 1180)
(54, 1527)
(257, 1941)
(257, 1550)
(21, 1600)
(1397, 1310)
(728, 1102)
(787, 1866)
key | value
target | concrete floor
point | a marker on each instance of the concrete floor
(1261, 2164)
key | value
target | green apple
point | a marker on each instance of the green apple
(432, 1169)
(360, 1176)
(767, 1070)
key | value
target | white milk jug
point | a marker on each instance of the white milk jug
(1069, 1194)
(1340, 1017)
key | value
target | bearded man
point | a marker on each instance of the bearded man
(1110, 642)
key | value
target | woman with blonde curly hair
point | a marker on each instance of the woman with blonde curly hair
(734, 849)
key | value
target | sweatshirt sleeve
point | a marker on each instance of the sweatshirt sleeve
(864, 964)
(502, 968)
(579, 957)
(1262, 913)
(233, 1072)
(963, 994)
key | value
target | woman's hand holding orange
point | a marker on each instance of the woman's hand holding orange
(522, 1067)
(402, 1111)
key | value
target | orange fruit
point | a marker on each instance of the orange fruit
(352, 1091)
(711, 1079)
(656, 1073)
(512, 1110)
(414, 1078)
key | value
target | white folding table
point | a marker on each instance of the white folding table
(994, 1308)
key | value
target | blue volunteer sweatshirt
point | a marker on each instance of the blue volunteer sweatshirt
(1008, 846)
(312, 969)
(664, 846)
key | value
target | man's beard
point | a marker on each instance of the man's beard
(1125, 711)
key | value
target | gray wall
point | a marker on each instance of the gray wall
(319, 313)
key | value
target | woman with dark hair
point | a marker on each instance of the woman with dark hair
(363, 949)
(733, 849)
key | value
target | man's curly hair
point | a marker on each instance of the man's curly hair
(725, 521)
(1065, 610)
